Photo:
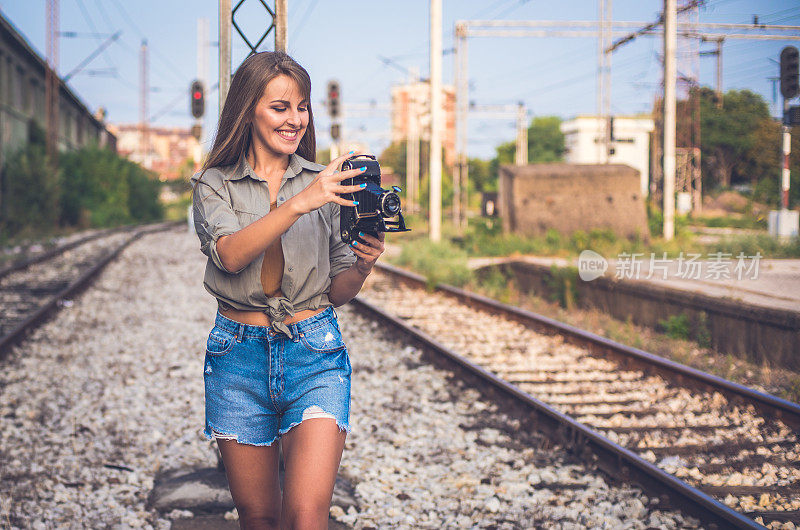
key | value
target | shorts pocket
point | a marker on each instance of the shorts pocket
(322, 339)
(220, 341)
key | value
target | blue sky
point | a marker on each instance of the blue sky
(344, 39)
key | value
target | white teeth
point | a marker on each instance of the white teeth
(287, 135)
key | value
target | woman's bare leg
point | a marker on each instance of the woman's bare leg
(253, 478)
(312, 451)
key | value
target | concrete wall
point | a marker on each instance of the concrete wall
(756, 333)
(571, 197)
(584, 142)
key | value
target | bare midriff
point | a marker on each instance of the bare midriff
(271, 276)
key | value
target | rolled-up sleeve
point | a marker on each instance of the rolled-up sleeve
(341, 257)
(213, 218)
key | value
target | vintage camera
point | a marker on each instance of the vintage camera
(378, 210)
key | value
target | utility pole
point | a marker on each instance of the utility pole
(435, 218)
(144, 137)
(521, 156)
(670, 41)
(718, 54)
(202, 75)
(719, 70)
(52, 82)
(462, 110)
(412, 142)
(604, 74)
(224, 51)
(281, 26)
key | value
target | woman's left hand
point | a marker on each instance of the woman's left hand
(368, 251)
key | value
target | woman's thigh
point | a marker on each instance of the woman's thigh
(252, 473)
(312, 451)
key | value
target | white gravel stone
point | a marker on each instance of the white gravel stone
(110, 392)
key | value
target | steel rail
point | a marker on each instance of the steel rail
(769, 405)
(589, 445)
(53, 252)
(80, 283)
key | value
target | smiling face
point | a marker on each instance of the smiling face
(281, 117)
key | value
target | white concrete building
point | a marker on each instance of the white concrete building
(583, 139)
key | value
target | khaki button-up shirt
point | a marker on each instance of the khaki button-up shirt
(229, 198)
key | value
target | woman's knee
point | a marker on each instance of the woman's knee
(258, 518)
(306, 516)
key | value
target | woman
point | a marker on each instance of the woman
(276, 367)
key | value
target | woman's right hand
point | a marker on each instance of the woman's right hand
(327, 187)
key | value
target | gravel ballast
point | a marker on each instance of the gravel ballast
(109, 393)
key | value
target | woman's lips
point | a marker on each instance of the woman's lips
(288, 135)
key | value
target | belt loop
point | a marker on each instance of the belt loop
(239, 332)
(335, 313)
(295, 332)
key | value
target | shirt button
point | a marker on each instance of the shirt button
(280, 198)
(291, 269)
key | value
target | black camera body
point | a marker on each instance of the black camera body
(378, 209)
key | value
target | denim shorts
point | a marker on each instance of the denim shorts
(260, 383)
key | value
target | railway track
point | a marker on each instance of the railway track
(32, 289)
(723, 452)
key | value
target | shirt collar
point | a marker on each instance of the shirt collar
(296, 165)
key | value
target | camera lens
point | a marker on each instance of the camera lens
(390, 204)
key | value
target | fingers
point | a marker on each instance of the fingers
(348, 189)
(372, 241)
(336, 163)
(341, 201)
(363, 251)
(350, 173)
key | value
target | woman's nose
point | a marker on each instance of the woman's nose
(294, 119)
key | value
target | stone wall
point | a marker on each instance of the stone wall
(571, 197)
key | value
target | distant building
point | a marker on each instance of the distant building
(420, 93)
(22, 100)
(169, 148)
(584, 142)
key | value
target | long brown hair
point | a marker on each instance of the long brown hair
(235, 129)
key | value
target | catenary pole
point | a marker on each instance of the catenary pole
(281, 25)
(435, 195)
(224, 51)
(670, 41)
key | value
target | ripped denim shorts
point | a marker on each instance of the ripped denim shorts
(259, 383)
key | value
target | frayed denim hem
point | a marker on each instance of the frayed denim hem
(215, 434)
(211, 433)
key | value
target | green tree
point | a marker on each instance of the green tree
(545, 144)
(728, 135)
(394, 157)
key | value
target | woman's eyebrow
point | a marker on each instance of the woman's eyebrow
(284, 102)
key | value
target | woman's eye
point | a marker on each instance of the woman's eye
(278, 109)
(302, 109)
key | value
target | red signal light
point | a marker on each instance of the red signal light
(197, 95)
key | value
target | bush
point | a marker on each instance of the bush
(676, 326)
(32, 192)
(440, 262)
(103, 189)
